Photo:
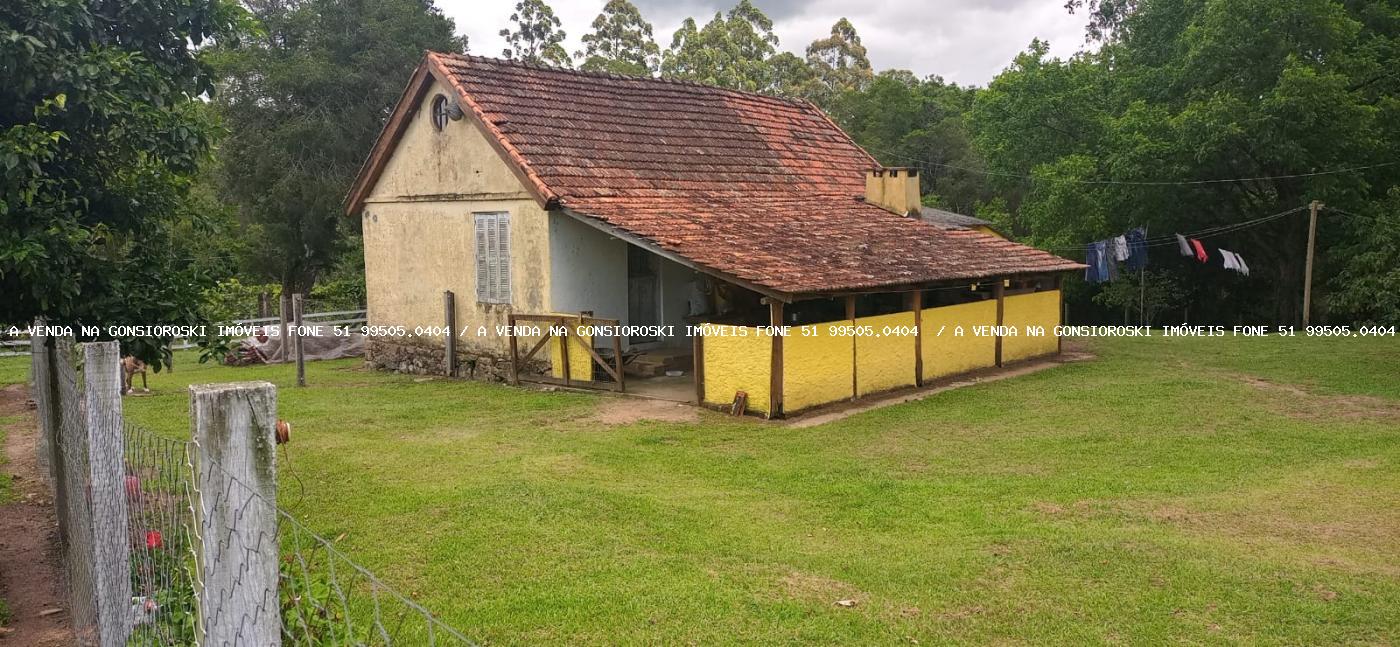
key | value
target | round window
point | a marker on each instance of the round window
(440, 109)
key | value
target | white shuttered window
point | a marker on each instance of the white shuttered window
(493, 257)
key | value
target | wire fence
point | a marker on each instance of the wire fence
(170, 542)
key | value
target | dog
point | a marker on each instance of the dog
(130, 367)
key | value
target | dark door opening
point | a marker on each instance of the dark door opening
(643, 302)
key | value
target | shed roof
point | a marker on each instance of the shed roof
(949, 219)
(753, 187)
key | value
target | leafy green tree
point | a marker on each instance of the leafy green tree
(790, 76)
(621, 42)
(100, 136)
(1191, 91)
(537, 36)
(303, 104)
(732, 50)
(903, 121)
(839, 63)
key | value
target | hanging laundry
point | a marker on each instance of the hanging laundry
(1137, 248)
(1120, 248)
(1200, 251)
(1096, 257)
(1185, 247)
(1234, 262)
(1228, 258)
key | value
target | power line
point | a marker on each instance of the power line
(1204, 233)
(926, 163)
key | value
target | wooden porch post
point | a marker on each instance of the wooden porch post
(917, 301)
(775, 379)
(1000, 292)
(1060, 290)
(851, 315)
(699, 341)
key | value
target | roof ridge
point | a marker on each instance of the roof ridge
(801, 103)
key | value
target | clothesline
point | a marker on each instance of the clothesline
(1204, 233)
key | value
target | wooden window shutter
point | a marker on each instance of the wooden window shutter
(493, 257)
(483, 250)
(503, 258)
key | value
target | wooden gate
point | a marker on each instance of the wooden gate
(566, 326)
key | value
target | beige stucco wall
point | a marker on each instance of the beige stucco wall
(419, 236)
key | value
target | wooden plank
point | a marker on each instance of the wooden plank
(514, 352)
(298, 348)
(617, 357)
(851, 315)
(564, 349)
(775, 377)
(1059, 287)
(1000, 291)
(699, 341)
(449, 319)
(917, 300)
(536, 348)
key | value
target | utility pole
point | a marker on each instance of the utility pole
(1312, 242)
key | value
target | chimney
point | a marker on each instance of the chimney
(893, 189)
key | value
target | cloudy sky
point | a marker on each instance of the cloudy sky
(966, 41)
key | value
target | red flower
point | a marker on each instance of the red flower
(153, 539)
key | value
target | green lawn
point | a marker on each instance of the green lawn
(1218, 490)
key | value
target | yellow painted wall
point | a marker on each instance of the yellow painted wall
(419, 232)
(945, 353)
(816, 369)
(1035, 309)
(885, 362)
(580, 362)
(738, 363)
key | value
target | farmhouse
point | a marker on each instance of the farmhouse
(545, 196)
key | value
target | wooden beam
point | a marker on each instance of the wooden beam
(564, 348)
(1000, 291)
(617, 357)
(851, 315)
(917, 301)
(775, 378)
(449, 319)
(699, 341)
(1060, 289)
(514, 352)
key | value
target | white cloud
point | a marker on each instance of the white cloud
(962, 41)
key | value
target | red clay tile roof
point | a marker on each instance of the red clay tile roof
(752, 186)
(818, 243)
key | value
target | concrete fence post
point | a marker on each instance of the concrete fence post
(102, 382)
(234, 428)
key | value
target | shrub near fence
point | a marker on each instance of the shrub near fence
(166, 542)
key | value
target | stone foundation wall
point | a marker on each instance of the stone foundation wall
(414, 357)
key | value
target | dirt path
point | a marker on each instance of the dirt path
(29, 574)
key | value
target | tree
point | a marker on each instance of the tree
(100, 136)
(1189, 91)
(621, 42)
(839, 63)
(303, 104)
(537, 36)
(904, 121)
(732, 50)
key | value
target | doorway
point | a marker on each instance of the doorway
(643, 288)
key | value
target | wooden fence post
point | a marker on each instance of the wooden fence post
(236, 479)
(102, 380)
(284, 314)
(296, 340)
(449, 317)
(41, 363)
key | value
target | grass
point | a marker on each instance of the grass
(1215, 491)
